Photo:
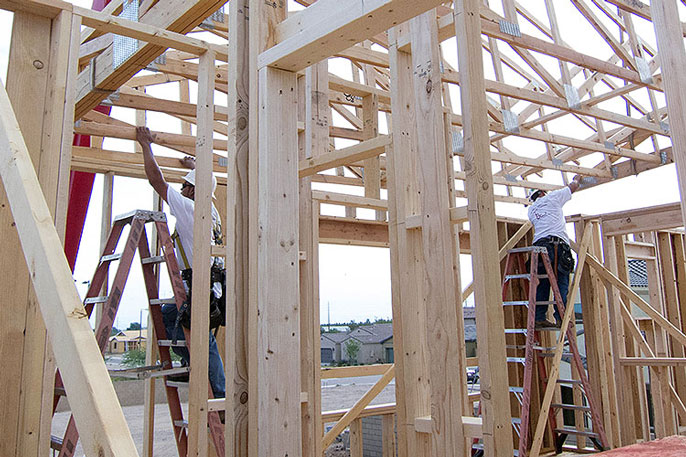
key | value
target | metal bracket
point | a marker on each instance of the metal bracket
(664, 126)
(510, 28)
(510, 177)
(458, 143)
(614, 171)
(557, 163)
(663, 157)
(572, 96)
(644, 70)
(511, 121)
(124, 47)
(223, 161)
(609, 145)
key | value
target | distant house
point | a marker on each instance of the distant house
(127, 340)
(374, 340)
(331, 346)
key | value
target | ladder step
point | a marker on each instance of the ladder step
(93, 300)
(60, 391)
(181, 423)
(154, 259)
(524, 276)
(516, 303)
(552, 354)
(516, 360)
(169, 343)
(518, 390)
(528, 249)
(177, 384)
(574, 407)
(55, 443)
(573, 431)
(514, 331)
(163, 301)
(110, 257)
(569, 381)
(517, 420)
(544, 348)
(155, 371)
(515, 346)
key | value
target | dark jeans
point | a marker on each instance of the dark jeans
(216, 367)
(565, 264)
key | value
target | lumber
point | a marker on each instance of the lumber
(351, 154)
(93, 401)
(330, 26)
(497, 428)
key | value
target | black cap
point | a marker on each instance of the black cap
(536, 195)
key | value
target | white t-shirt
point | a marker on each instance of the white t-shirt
(182, 209)
(546, 214)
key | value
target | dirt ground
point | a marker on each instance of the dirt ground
(337, 396)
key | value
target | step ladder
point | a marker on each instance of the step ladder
(535, 352)
(138, 241)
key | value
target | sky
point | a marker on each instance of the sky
(355, 282)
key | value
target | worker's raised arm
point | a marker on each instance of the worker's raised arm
(574, 185)
(152, 170)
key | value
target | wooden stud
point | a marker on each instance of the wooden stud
(497, 427)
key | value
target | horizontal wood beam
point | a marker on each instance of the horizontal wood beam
(472, 426)
(642, 220)
(653, 361)
(330, 26)
(361, 370)
(364, 150)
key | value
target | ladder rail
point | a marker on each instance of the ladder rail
(576, 357)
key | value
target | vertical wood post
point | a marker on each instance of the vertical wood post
(236, 357)
(670, 45)
(497, 427)
(413, 395)
(446, 373)
(314, 141)
(202, 228)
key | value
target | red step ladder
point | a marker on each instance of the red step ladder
(138, 241)
(516, 269)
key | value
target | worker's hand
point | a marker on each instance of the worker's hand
(578, 178)
(144, 137)
(188, 162)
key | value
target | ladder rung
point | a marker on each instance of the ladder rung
(168, 343)
(518, 390)
(515, 346)
(60, 391)
(517, 420)
(528, 249)
(514, 331)
(516, 303)
(147, 372)
(544, 348)
(181, 423)
(163, 301)
(546, 302)
(92, 300)
(154, 259)
(573, 431)
(110, 257)
(524, 276)
(177, 384)
(568, 381)
(55, 443)
(516, 360)
(574, 407)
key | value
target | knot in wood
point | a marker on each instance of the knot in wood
(429, 86)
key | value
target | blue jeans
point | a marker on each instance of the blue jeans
(216, 367)
(564, 268)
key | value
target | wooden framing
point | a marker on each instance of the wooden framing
(292, 118)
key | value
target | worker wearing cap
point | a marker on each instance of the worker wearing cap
(545, 213)
(181, 206)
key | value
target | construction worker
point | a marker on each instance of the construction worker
(181, 205)
(545, 213)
